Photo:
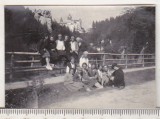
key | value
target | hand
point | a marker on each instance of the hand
(112, 78)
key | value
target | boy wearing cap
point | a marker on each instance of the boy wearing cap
(118, 76)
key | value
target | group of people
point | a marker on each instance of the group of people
(83, 76)
(80, 74)
(54, 50)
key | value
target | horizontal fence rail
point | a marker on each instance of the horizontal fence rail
(14, 61)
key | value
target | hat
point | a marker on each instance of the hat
(85, 52)
(113, 65)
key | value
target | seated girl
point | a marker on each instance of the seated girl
(71, 65)
(89, 77)
(106, 75)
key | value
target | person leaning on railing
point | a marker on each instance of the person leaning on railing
(53, 51)
(60, 46)
(43, 50)
(74, 48)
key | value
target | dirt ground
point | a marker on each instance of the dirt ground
(140, 92)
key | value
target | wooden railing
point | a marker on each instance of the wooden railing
(126, 60)
(33, 64)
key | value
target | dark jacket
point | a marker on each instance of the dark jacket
(118, 77)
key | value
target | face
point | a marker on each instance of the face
(46, 37)
(85, 55)
(66, 38)
(71, 71)
(72, 60)
(72, 38)
(93, 66)
(59, 37)
(84, 66)
(51, 38)
(115, 68)
(100, 67)
(105, 68)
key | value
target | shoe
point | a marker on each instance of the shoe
(49, 67)
(99, 87)
(88, 89)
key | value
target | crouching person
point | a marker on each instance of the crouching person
(117, 77)
(43, 50)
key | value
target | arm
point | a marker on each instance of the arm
(63, 47)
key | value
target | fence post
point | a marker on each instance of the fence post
(142, 60)
(11, 67)
(32, 62)
(104, 59)
(126, 63)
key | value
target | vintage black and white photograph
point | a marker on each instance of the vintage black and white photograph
(80, 56)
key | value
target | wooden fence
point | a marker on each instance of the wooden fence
(14, 64)
(124, 60)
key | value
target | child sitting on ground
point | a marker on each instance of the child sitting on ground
(105, 76)
(71, 65)
(87, 80)
(99, 72)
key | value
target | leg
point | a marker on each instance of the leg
(48, 66)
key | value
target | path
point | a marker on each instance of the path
(55, 80)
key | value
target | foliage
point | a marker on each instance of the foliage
(23, 30)
(132, 29)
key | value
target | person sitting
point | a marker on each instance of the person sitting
(118, 76)
(105, 76)
(52, 51)
(93, 72)
(87, 80)
(74, 48)
(99, 72)
(70, 83)
(43, 50)
(67, 46)
(71, 65)
(84, 59)
(61, 48)
(93, 75)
